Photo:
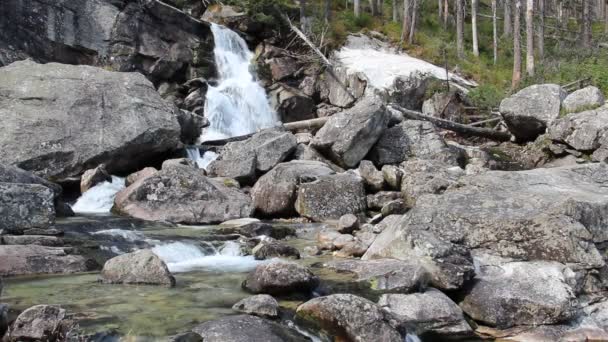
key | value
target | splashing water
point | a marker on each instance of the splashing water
(238, 105)
(100, 198)
(203, 161)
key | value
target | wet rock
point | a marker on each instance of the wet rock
(39, 323)
(140, 267)
(179, 163)
(92, 177)
(191, 125)
(143, 173)
(280, 278)
(354, 248)
(330, 197)
(584, 99)
(427, 177)
(40, 240)
(268, 250)
(431, 313)
(24, 206)
(291, 104)
(348, 136)
(282, 67)
(522, 293)
(392, 176)
(380, 199)
(182, 195)
(87, 100)
(559, 332)
(347, 317)
(259, 305)
(530, 111)
(348, 223)
(325, 239)
(251, 229)
(275, 193)
(186, 337)
(260, 153)
(342, 240)
(374, 179)
(246, 328)
(585, 132)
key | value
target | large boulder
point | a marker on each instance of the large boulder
(150, 37)
(330, 197)
(246, 328)
(34, 259)
(431, 313)
(259, 305)
(422, 177)
(584, 99)
(291, 104)
(275, 193)
(347, 317)
(182, 194)
(140, 267)
(12, 174)
(90, 116)
(348, 136)
(40, 323)
(92, 177)
(342, 88)
(586, 132)
(530, 111)
(552, 214)
(25, 206)
(242, 160)
(280, 278)
(522, 293)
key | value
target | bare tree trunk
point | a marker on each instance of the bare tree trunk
(414, 19)
(530, 37)
(357, 8)
(327, 13)
(541, 30)
(606, 17)
(586, 39)
(440, 9)
(374, 7)
(508, 28)
(380, 7)
(460, 28)
(494, 32)
(395, 11)
(474, 27)
(405, 33)
(446, 14)
(516, 79)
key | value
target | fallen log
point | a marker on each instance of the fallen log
(305, 124)
(452, 126)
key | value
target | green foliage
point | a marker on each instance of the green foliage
(486, 96)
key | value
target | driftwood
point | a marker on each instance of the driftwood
(305, 124)
(453, 126)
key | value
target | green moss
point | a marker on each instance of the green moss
(563, 112)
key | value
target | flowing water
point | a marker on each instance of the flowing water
(100, 198)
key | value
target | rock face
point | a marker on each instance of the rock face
(150, 37)
(275, 193)
(33, 259)
(182, 195)
(330, 197)
(24, 206)
(586, 132)
(431, 313)
(427, 177)
(121, 112)
(291, 104)
(241, 160)
(280, 278)
(543, 214)
(342, 89)
(260, 305)
(140, 267)
(12, 174)
(246, 328)
(583, 99)
(522, 293)
(39, 323)
(347, 317)
(531, 110)
(347, 136)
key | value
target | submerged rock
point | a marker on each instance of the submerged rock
(33, 259)
(140, 267)
(25, 206)
(281, 278)
(268, 250)
(260, 305)
(39, 323)
(246, 328)
(347, 317)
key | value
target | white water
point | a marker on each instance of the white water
(201, 161)
(185, 257)
(238, 105)
(100, 198)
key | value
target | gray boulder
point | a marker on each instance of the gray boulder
(348, 136)
(140, 267)
(191, 125)
(39, 323)
(92, 177)
(392, 176)
(12, 174)
(348, 223)
(122, 112)
(530, 111)
(24, 206)
(341, 88)
(246, 328)
(33, 259)
(586, 132)
(282, 67)
(378, 200)
(268, 250)
(410, 91)
(374, 179)
(143, 173)
(305, 152)
(522, 293)
(182, 195)
(259, 305)
(431, 313)
(275, 193)
(4, 322)
(280, 278)
(291, 104)
(584, 99)
(330, 197)
(422, 177)
(347, 317)
(241, 160)
(41, 240)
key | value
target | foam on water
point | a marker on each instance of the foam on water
(100, 198)
(201, 161)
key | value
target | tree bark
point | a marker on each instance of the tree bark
(474, 27)
(541, 30)
(606, 17)
(327, 12)
(586, 39)
(440, 9)
(395, 11)
(530, 37)
(405, 33)
(446, 13)
(516, 78)
(508, 28)
(494, 32)
(414, 19)
(460, 28)
(357, 8)
(374, 7)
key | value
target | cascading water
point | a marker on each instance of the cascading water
(238, 105)
(100, 198)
